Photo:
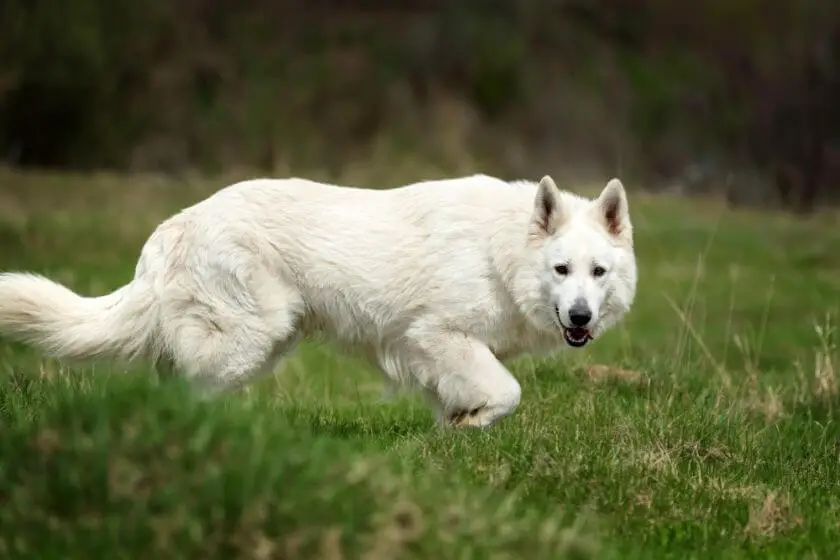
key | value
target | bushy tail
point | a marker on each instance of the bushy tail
(59, 322)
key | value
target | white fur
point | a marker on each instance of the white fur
(435, 282)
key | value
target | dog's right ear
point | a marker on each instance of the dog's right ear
(548, 207)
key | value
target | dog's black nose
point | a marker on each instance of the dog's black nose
(579, 314)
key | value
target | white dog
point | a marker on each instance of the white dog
(434, 282)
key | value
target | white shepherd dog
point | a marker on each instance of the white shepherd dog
(435, 282)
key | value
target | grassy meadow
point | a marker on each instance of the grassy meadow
(705, 426)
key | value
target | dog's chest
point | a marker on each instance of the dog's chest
(515, 336)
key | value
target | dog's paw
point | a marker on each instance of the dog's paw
(464, 418)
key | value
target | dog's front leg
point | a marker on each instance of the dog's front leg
(467, 384)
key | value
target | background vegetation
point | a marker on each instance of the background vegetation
(736, 94)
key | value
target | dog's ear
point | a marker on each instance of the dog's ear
(612, 210)
(548, 207)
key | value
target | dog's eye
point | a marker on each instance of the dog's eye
(561, 269)
(598, 271)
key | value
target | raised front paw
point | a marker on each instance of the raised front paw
(466, 418)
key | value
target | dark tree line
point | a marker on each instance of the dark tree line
(117, 83)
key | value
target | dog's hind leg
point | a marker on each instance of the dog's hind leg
(165, 367)
(226, 345)
(225, 360)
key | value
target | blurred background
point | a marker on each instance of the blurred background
(733, 97)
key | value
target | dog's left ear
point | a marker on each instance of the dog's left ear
(612, 210)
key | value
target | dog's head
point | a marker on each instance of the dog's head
(587, 266)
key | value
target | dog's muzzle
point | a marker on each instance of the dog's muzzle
(576, 337)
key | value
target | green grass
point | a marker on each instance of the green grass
(706, 425)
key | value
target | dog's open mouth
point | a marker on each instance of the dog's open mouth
(576, 336)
